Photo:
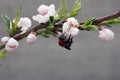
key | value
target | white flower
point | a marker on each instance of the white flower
(5, 39)
(106, 35)
(31, 38)
(44, 13)
(24, 23)
(70, 27)
(11, 45)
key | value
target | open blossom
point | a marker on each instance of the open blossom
(24, 23)
(106, 35)
(71, 27)
(44, 13)
(31, 38)
(11, 45)
(5, 39)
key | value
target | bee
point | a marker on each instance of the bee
(65, 42)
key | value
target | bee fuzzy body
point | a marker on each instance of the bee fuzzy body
(65, 42)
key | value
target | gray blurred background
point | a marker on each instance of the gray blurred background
(89, 59)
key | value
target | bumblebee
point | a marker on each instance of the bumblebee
(65, 42)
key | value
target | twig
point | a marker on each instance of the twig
(36, 28)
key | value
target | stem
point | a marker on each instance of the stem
(36, 28)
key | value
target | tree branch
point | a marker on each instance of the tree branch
(36, 28)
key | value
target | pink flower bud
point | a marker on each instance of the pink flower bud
(106, 35)
(5, 39)
(31, 38)
(11, 45)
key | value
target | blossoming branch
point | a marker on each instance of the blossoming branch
(60, 23)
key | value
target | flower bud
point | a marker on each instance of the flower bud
(106, 35)
(11, 45)
(31, 38)
(5, 39)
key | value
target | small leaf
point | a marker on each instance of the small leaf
(89, 22)
(76, 8)
(6, 20)
(64, 6)
(15, 22)
(62, 11)
(3, 54)
(17, 16)
(44, 35)
(90, 28)
(112, 21)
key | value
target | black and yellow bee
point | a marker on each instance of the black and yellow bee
(65, 42)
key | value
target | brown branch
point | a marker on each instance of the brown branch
(36, 28)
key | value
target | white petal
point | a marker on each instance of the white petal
(52, 11)
(12, 42)
(65, 27)
(9, 49)
(25, 23)
(40, 19)
(42, 8)
(5, 39)
(74, 31)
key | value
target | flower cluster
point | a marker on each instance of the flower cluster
(65, 37)
(10, 43)
(69, 30)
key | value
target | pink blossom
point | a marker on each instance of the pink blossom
(106, 35)
(44, 13)
(5, 39)
(11, 45)
(73, 22)
(31, 38)
(70, 27)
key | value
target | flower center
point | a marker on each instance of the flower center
(44, 12)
